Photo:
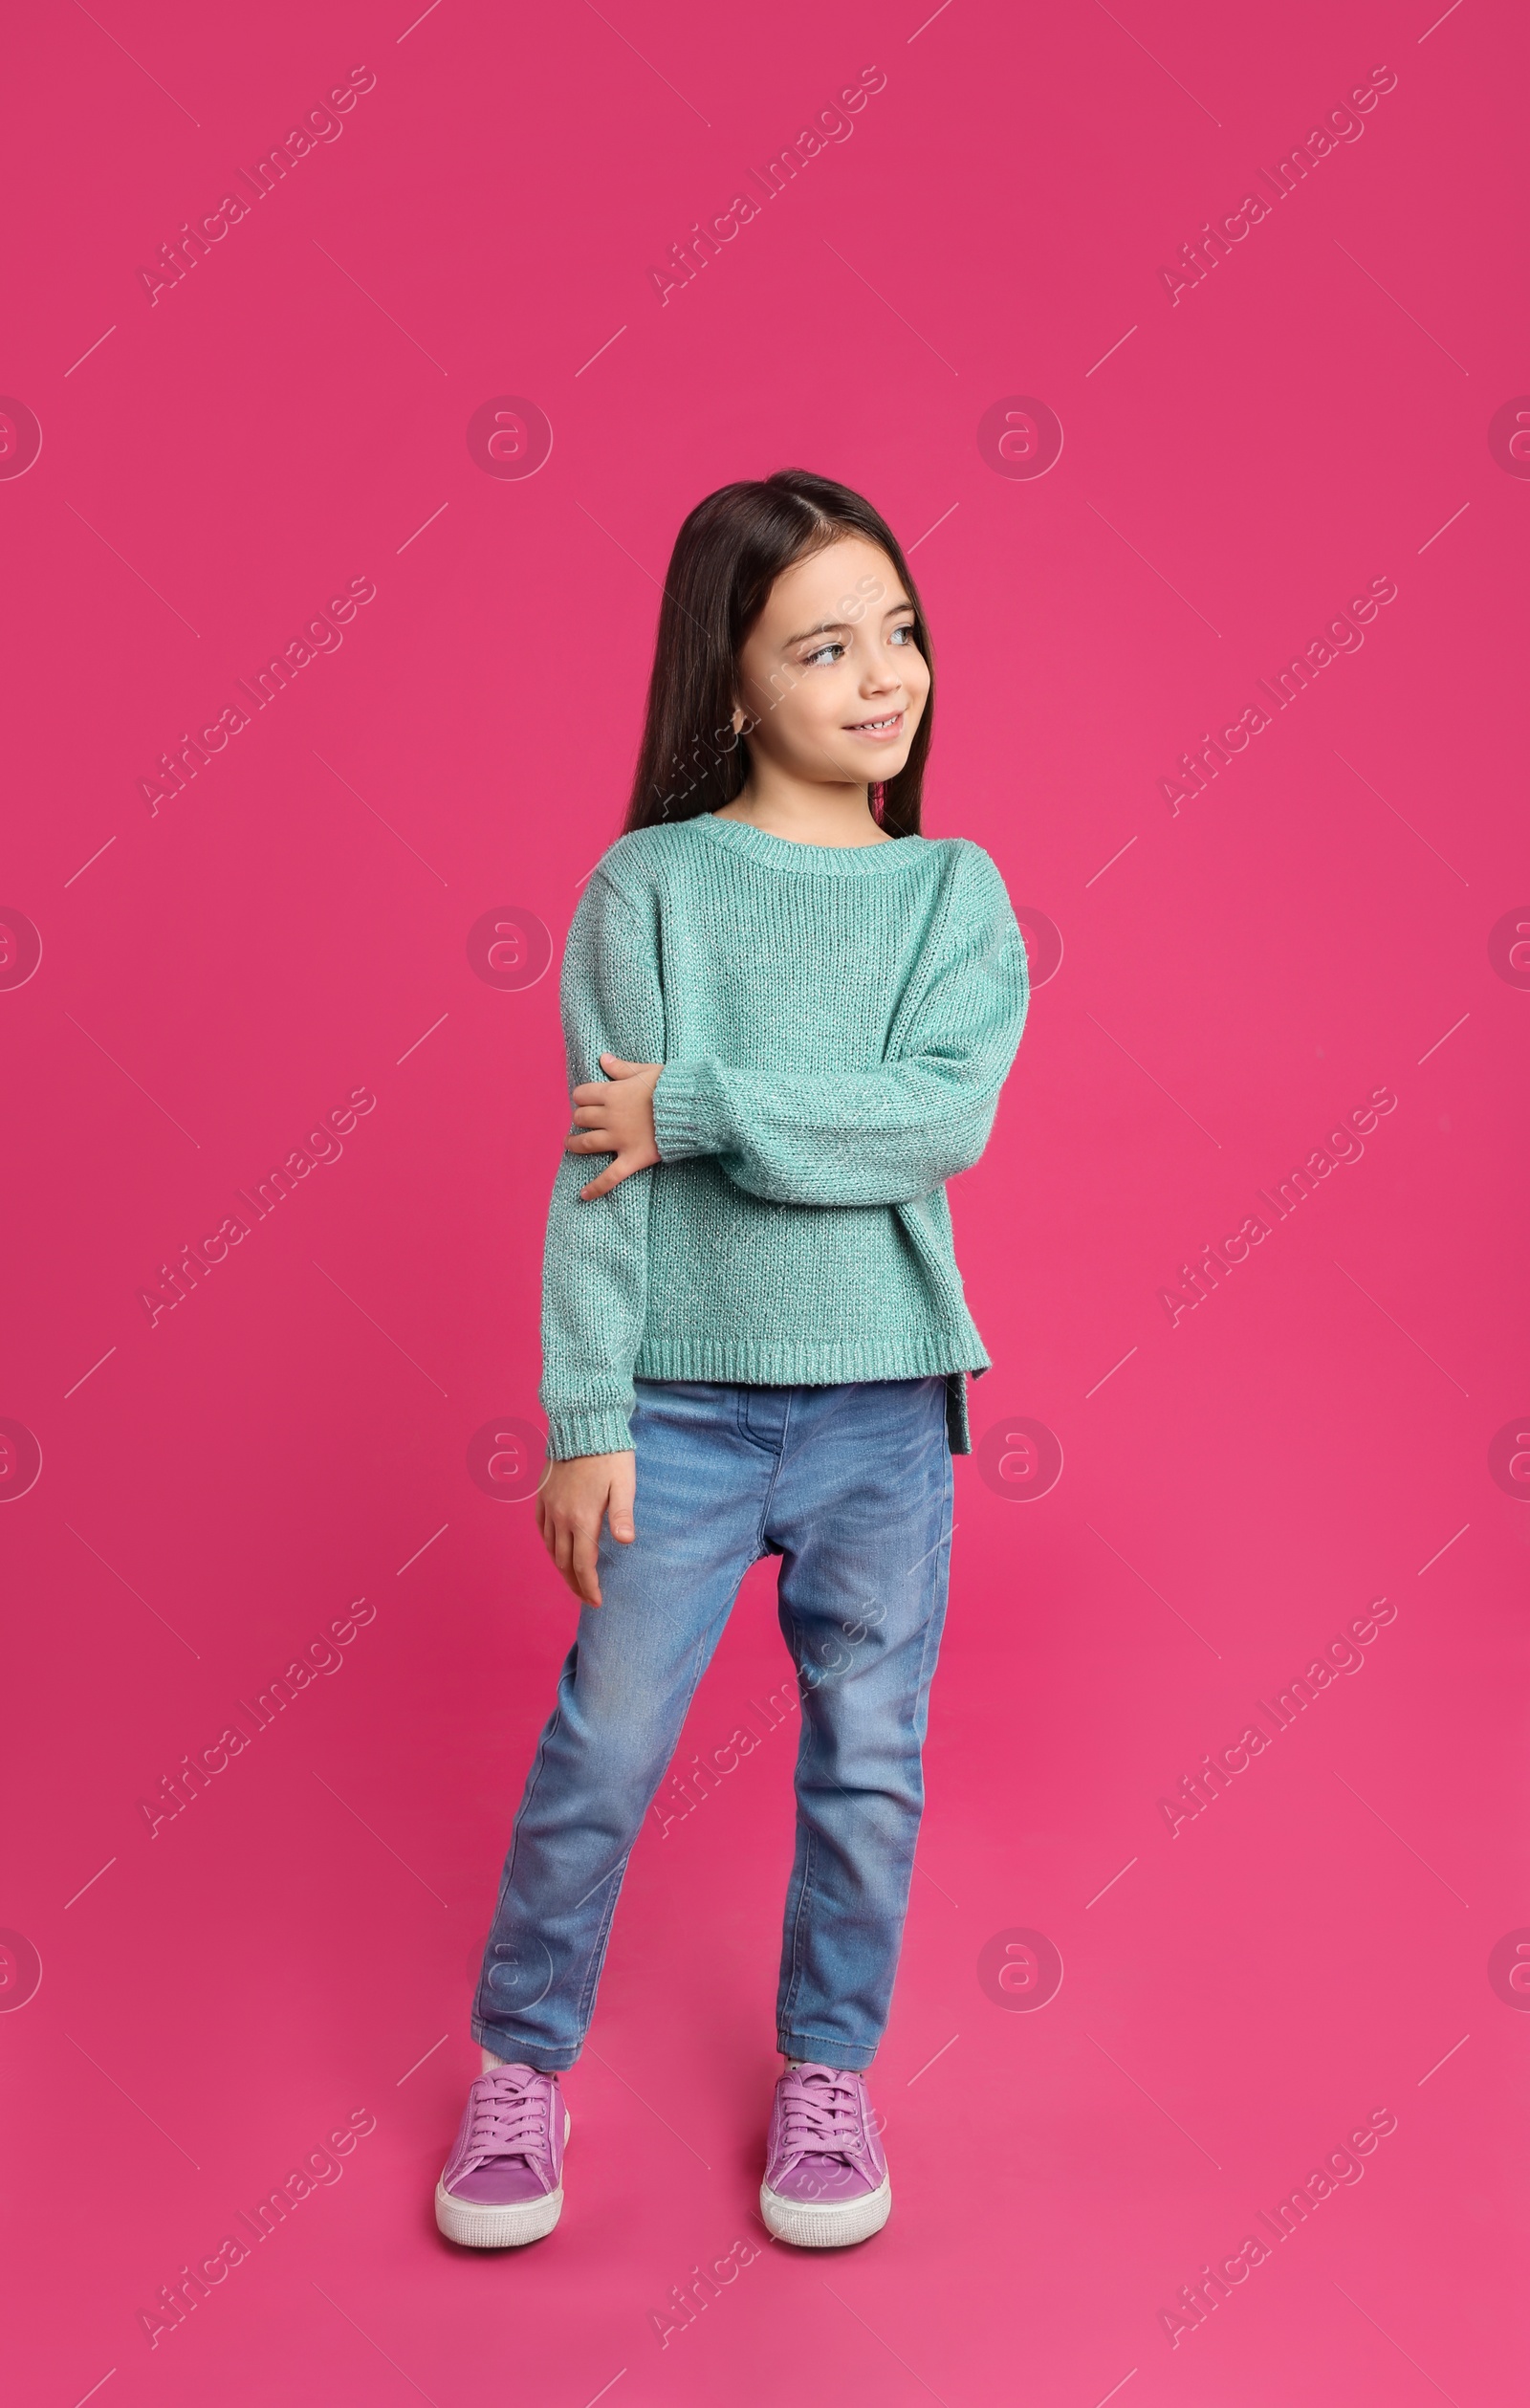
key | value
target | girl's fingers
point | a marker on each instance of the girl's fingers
(607, 1180)
(569, 1550)
(621, 1499)
(550, 1535)
(586, 1580)
(573, 1547)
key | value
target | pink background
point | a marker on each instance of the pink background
(218, 974)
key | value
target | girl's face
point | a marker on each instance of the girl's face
(832, 682)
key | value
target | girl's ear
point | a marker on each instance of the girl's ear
(739, 720)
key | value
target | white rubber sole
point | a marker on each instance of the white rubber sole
(827, 2224)
(474, 2225)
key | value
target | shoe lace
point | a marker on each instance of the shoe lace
(820, 2117)
(509, 2117)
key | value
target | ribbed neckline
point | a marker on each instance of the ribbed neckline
(813, 860)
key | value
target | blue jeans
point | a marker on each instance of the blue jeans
(851, 1487)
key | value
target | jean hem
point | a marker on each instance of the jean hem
(504, 2044)
(812, 2049)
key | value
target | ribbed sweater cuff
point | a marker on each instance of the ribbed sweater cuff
(600, 1430)
(685, 1121)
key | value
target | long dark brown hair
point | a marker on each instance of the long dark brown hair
(727, 556)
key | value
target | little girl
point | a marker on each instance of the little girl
(788, 1018)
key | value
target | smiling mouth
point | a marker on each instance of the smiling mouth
(879, 730)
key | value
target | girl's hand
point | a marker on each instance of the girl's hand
(615, 1116)
(571, 1503)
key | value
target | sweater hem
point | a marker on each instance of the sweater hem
(793, 1362)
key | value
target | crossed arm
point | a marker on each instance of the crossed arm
(887, 1135)
(883, 1136)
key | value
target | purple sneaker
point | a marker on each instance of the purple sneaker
(503, 2182)
(826, 2182)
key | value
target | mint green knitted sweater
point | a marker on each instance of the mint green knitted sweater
(834, 1023)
